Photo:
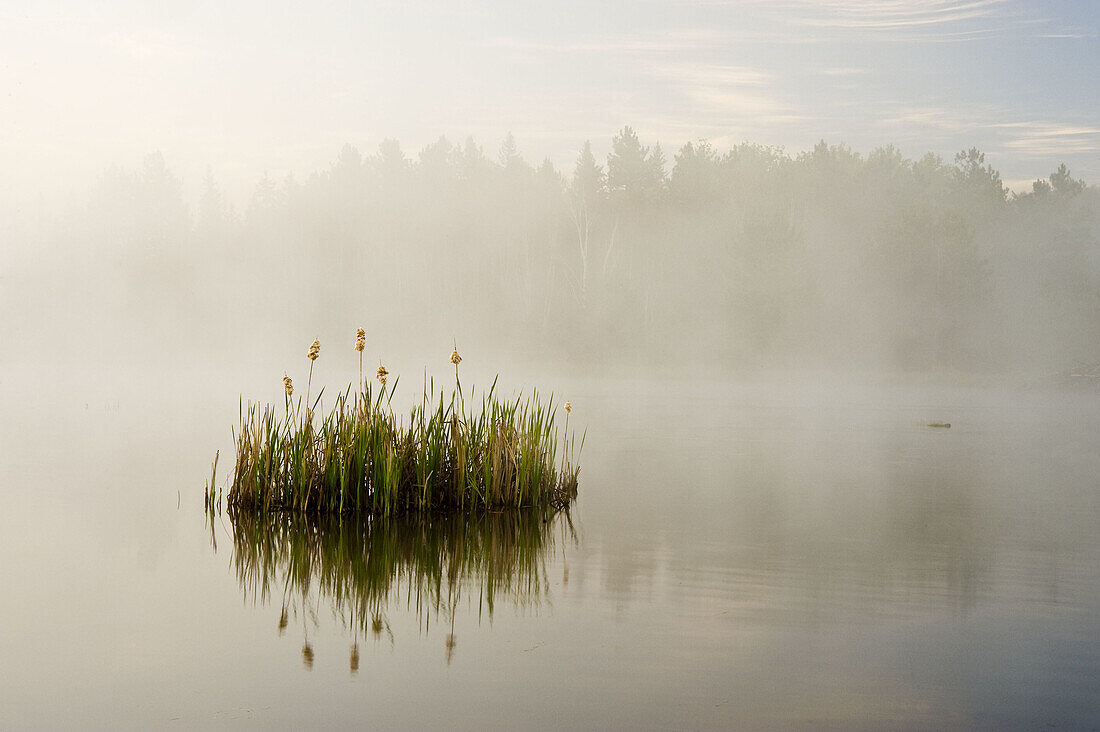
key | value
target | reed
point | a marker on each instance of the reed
(360, 344)
(312, 354)
(447, 452)
(456, 360)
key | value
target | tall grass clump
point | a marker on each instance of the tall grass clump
(449, 451)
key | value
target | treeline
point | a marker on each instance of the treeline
(724, 260)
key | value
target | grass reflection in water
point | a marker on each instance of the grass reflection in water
(366, 567)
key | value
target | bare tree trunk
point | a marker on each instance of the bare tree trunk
(581, 223)
(610, 246)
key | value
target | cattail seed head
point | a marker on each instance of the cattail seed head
(288, 386)
(568, 407)
(455, 358)
(360, 339)
(381, 375)
(314, 350)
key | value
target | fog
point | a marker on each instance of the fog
(701, 260)
(820, 280)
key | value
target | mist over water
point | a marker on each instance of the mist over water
(841, 403)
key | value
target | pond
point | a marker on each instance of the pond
(802, 554)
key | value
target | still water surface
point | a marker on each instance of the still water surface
(782, 556)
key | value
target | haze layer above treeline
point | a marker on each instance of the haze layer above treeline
(730, 261)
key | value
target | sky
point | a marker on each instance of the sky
(245, 88)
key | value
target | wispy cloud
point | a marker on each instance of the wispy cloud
(628, 45)
(712, 74)
(920, 120)
(937, 21)
(666, 40)
(737, 91)
(1050, 139)
(890, 14)
(984, 125)
(1072, 33)
(840, 71)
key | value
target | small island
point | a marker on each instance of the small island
(456, 451)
